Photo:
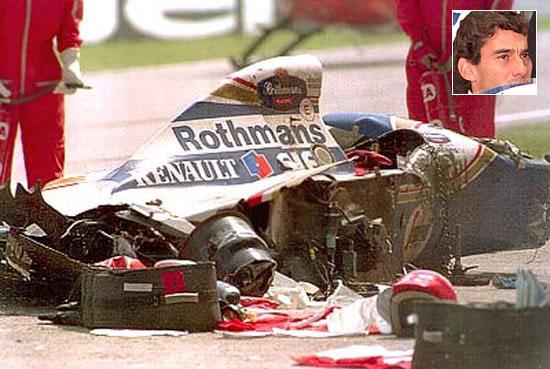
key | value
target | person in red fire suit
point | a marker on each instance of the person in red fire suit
(428, 24)
(39, 63)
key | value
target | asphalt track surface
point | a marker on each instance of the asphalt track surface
(124, 108)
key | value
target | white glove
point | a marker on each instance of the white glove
(4, 92)
(72, 76)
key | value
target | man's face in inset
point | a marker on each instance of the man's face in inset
(504, 60)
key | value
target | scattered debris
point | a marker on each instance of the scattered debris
(252, 179)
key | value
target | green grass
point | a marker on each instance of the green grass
(531, 138)
(543, 23)
(130, 53)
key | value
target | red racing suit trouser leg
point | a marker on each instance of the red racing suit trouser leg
(472, 115)
(428, 93)
(42, 124)
(44, 144)
(29, 64)
(476, 114)
(429, 100)
(8, 130)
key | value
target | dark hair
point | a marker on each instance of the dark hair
(475, 29)
(532, 43)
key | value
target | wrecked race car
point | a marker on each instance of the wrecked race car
(252, 178)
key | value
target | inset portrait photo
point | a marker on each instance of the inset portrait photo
(494, 52)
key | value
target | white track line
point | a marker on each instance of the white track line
(534, 116)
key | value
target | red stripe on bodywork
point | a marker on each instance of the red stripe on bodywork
(255, 199)
(244, 82)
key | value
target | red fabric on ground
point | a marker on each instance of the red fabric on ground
(372, 362)
(265, 322)
(259, 302)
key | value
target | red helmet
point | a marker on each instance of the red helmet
(417, 285)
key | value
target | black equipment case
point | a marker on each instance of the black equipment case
(481, 336)
(179, 297)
